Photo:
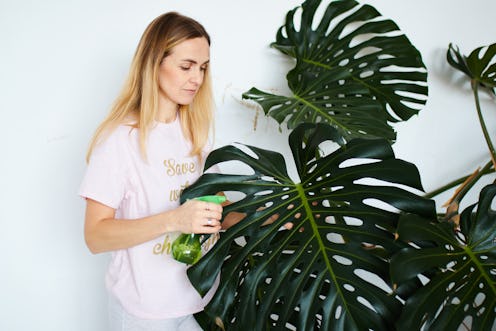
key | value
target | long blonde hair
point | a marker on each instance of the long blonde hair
(138, 99)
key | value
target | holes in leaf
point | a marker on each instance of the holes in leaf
(356, 161)
(234, 195)
(479, 299)
(450, 266)
(373, 279)
(290, 326)
(261, 193)
(366, 74)
(369, 246)
(338, 312)
(268, 178)
(330, 189)
(297, 18)
(235, 166)
(338, 52)
(353, 221)
(349, 287)
(342, 260)
(381, 205)
(330, 220)
(247, 150)
(467, 322)
(481, 311)
(366, 303)
(241, 241)
(449, 247)
(314, 166)
(392, 113)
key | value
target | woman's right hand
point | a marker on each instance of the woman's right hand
(196, 216)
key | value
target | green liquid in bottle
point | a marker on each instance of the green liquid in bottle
(187, 248)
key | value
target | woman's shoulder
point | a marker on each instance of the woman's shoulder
(118, 137)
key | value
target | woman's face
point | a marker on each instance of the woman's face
(181, 73)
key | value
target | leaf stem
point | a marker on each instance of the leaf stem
(487, 169)
(492, 151)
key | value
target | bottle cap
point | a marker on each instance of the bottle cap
(218, 199)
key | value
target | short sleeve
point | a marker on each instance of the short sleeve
(105, 176)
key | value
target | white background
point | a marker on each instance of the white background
(62, 64)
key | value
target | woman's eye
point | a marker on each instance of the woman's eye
(184, 68)
(203, 68)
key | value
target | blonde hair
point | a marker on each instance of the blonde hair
(138, 99)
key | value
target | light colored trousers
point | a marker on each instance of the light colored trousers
(120, 320)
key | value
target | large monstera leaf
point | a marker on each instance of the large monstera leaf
(331, 269)
(461, 294)
(354, 70)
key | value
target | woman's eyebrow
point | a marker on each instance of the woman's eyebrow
(195, 62)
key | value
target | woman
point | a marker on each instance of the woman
(149, 148)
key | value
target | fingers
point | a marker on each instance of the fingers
(212, 224)
(204, 217)
(211, 211)
(211, 206)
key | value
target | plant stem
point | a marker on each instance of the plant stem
(487, 169)
(492, 151)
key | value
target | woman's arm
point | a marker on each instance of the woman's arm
(103, 232)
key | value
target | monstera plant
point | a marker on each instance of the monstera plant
(351, 244)
(461, 292)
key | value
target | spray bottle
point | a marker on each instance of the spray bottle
(187, 247)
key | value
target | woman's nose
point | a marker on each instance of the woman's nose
(197, 76)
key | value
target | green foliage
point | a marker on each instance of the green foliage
(479, 66)
(364, 252)
(314, 275)
(461, 294)
(354, 70)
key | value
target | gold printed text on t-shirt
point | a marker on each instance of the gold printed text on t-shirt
(175, 168)
(210, 241)
(175, 194)
(164, 247)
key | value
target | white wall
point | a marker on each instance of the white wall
(61, 65)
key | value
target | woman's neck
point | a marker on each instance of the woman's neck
(167, 115)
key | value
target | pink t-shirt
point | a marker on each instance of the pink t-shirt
(145, 278)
